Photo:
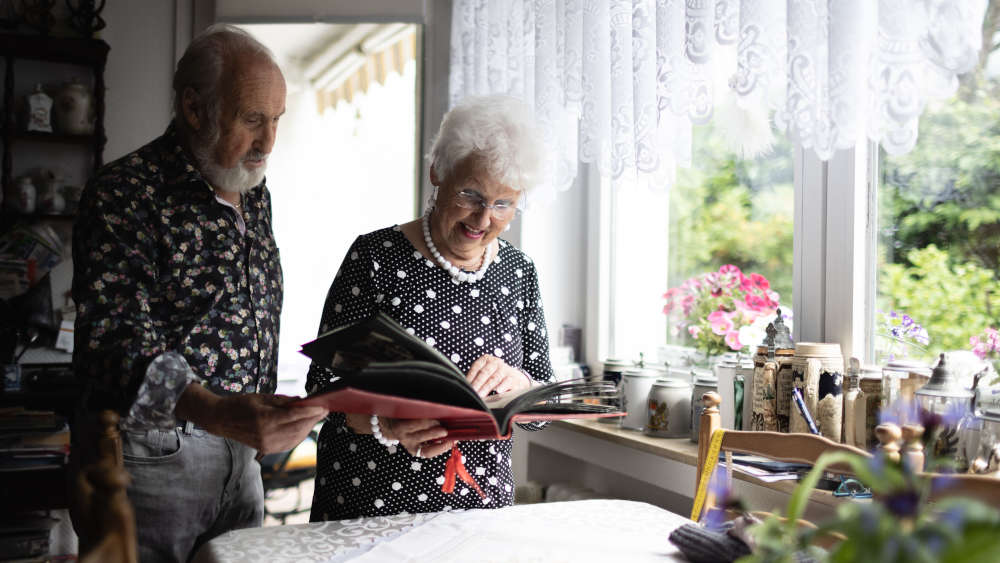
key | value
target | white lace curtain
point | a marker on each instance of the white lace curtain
(620, 83)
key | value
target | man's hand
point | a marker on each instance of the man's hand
(267, 423)
(490, 373)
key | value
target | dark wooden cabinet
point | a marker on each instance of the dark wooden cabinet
(91, 54)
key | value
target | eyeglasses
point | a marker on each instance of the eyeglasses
(852, 488)
(501, 209)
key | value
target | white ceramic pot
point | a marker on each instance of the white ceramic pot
(74, 109)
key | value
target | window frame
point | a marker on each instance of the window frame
(835, 232)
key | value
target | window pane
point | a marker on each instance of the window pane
(723, 210)
(939, 224)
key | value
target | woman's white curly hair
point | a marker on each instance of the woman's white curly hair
(500, 136)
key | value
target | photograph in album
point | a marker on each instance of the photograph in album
(383, 369)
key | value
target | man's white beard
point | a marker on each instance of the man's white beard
(237, 179)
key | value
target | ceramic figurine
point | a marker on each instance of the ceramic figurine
(74, 109)
(39, 111)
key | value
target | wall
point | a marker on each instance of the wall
(142, 35)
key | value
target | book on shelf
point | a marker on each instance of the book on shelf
(383, 369)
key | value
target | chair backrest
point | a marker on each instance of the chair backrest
(103, 515)
(806, 448)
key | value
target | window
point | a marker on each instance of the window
(722, 210)
(938, 252)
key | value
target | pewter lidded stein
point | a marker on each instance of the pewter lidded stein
(944, 395)
(770, 389)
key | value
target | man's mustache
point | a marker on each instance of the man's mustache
(254, 155)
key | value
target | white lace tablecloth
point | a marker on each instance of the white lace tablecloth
(586, 530)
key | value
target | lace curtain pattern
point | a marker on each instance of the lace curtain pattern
(621, 83)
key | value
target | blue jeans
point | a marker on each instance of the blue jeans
(188, 487)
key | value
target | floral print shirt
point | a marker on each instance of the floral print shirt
(162, 272)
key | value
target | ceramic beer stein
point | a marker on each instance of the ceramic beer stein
(818, 373)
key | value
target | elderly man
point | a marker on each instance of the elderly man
(178, 288)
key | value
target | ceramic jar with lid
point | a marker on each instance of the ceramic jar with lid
(669, 407)
(818, 373)
(703, 381)
(725, 374)
(636, 383)
(612, 373)
(73, 109)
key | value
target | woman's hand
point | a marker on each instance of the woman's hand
(422, 436)
(490, 373)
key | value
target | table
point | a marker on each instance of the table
(587, 530)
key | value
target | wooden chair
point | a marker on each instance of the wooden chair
(102, 514)
(807, 448)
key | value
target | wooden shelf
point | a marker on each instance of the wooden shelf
(35, 489)
(74, 50)
(59, 138)
(682, 450)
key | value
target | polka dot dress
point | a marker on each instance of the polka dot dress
(499, 315)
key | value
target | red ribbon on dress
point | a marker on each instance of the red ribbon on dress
(454, 468)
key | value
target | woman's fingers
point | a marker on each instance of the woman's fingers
(485, 374)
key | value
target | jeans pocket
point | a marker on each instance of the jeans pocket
(152, 446)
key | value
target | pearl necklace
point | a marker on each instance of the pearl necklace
(456, 274)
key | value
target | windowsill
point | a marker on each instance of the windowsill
(680, 450)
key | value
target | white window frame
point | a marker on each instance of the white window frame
(834, 225)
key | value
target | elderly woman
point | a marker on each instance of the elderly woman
(453, 282)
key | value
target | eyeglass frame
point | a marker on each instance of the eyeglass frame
(844, 489)
(469, 199)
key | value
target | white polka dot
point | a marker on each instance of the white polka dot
(431, 294)
(445, 325)
(463, 492)
(446, 508)
(355, 291)
(354, 256)
(504, 290)
(431, 341)
(371, 465)
(322, 481)
(391, 449)
(401, 273)
(493, 449)
(422, 497)
(387, 243)
(498, 352)
(506, 488)
(519, 273)
(416, 255)
(486, 500)
(355, 481)
(352, 446)
(418, 308)
(479, 341)
(493, 481)
(480, 471)
(336, 466)
(428, 263)
(513, 320)
(340, 499)
(375, 265)
(485, 320)
(415, 466)
(440, 480)
(379, 297)
(456, 358)
(533, 356)
(531, 326)
(474, 293)
(395, 301)
(396, 485)
(507, 337)
(338, 308)
(410, 330)
(379, 503)
(456, 309)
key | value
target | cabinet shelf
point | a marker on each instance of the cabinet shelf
(60, 138)
(73, 50)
